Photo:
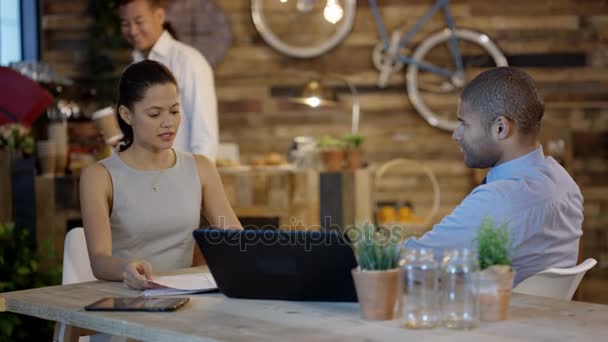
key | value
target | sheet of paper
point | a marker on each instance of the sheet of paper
(169, 292)
(195, 281)
(181, 284)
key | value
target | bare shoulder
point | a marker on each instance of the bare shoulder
(95, 176)
(206, 170)
(203, 163)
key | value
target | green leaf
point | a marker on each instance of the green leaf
(375, 249)
(353, 140)
(330, 143)
(20, 269)
(493, 244)
(23, 271)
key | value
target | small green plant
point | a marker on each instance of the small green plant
(492, 244)
(353, 140)
(19, 270)
(374, 248)
(17, 138)
(327, 143)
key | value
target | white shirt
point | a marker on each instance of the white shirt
(198, 129)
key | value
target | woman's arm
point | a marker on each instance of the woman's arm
(197, 257)
(95, 204)
(216, 207)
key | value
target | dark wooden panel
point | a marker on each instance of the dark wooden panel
(330, 197)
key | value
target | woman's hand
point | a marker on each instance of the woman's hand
(136, 275)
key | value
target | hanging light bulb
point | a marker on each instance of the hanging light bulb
(283, 1)
(333, 12)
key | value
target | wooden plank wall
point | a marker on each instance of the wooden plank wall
(562, 43)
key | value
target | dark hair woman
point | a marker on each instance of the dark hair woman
(132, 88)
(140, 205)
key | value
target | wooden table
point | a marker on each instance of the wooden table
(212, 317)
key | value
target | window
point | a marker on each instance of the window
(10, 31)
(19, 31)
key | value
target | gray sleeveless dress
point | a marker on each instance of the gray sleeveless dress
(155, 225)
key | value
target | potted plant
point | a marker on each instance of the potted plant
(354, 154)
(16, 141)
(23, 268)
(377, 274)
(496, 276)
(332, 150)
(18, 168)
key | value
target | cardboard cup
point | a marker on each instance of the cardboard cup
(106, 122)
(46, 151)
(58, 133)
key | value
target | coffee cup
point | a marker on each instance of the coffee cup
(106, 122)
(46, 151)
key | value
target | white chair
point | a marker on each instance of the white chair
(76, 269)
(76, 264)
(557, 283)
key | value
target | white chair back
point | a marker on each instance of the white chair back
(558, 283)
(76, 269)
(76, 264)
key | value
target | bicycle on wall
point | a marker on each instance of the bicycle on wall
(303, 28)
(439, 68)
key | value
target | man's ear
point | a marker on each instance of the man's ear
(501, 128)
(125, 114)
(160, 14)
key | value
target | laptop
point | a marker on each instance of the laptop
(281, 265)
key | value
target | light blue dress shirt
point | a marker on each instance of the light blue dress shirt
(537, 199)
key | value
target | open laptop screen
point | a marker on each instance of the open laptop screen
(274, 264)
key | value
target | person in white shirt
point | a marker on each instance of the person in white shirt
(142, 25)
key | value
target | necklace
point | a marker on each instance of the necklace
(155, 181)
(156, 177)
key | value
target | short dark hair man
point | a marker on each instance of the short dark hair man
(499, 116)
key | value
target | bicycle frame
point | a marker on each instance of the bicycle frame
(455, 51)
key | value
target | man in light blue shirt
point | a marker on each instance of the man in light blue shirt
(499, 123)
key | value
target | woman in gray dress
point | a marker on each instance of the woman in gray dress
(140, 205)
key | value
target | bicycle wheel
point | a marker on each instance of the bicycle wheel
(303, 28)
(434, 96)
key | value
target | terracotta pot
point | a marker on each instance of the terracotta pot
(495, 284)
(333, 159)
(377, 292)
(354, 158)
